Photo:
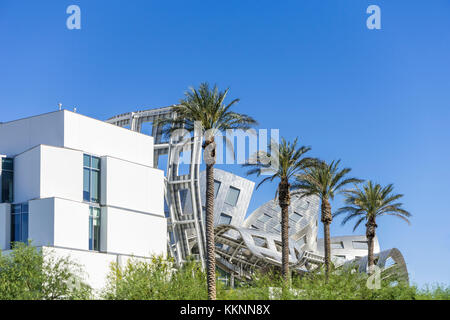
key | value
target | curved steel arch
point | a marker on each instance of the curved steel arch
(398, 268)
(179, 224)
(251, 249)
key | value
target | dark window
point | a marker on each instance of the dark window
(264, 218)
(337, 245)
(94, 229)
(216, 188)
(183, 197)
(359, 244)
(224, 219)
(7, 174)
(232, 196)
(91, 178)
(295, 217)
(19, 223)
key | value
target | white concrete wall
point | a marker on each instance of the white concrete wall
(46, 171)
(59, 222)
(134, 233)
(72, 130)
(27, 181)
(61, 173)
(64, 223)
(132, 186)
(41, 222)
(21, 135)
(5, 226)
(104, 139)
(95, 265)
(71, 224)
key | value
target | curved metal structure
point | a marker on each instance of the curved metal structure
(303, 220)
(391, 263)
(252, 249)
(180, 224)
(346, 248)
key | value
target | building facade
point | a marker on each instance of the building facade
(82, 188)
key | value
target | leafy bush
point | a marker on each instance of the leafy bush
(25, 274)
(159, 280)
(156, 280)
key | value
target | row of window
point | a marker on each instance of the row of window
(19, 225)
(20, 212)
(294, 218)
(91, 179)
(355, 244)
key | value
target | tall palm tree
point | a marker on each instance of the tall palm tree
(289, 161)
(206, 107)
(367, 204)
(325, 181)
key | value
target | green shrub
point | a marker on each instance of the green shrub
(156, 280)
(26, 275)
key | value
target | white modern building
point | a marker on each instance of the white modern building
(83, 188)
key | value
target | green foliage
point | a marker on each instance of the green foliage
(25, 274)
(370, 202)
(155, 280)
(159, 280)
(288, 160)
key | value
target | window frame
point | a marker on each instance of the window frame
(359, 242)
(225, 216)
(5, 181)
(237, 197)
(23, 213)
(91, 170)
(216, 191)
(93, 234)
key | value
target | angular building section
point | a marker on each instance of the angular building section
(345, 248)
(303, 220)
(83, 188)
(232, 196)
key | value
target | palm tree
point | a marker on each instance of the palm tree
(367, 204)
(206, 107)
(325, 181)
(289, 161)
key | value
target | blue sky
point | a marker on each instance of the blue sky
(377, 99)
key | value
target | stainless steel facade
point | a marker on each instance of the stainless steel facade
(303, 220)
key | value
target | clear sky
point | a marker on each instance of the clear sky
(377, 99)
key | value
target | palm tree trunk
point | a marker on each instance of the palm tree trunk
(210, 242)
(370, 235)
(326, 220)
(370, 254)
(284, 202)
